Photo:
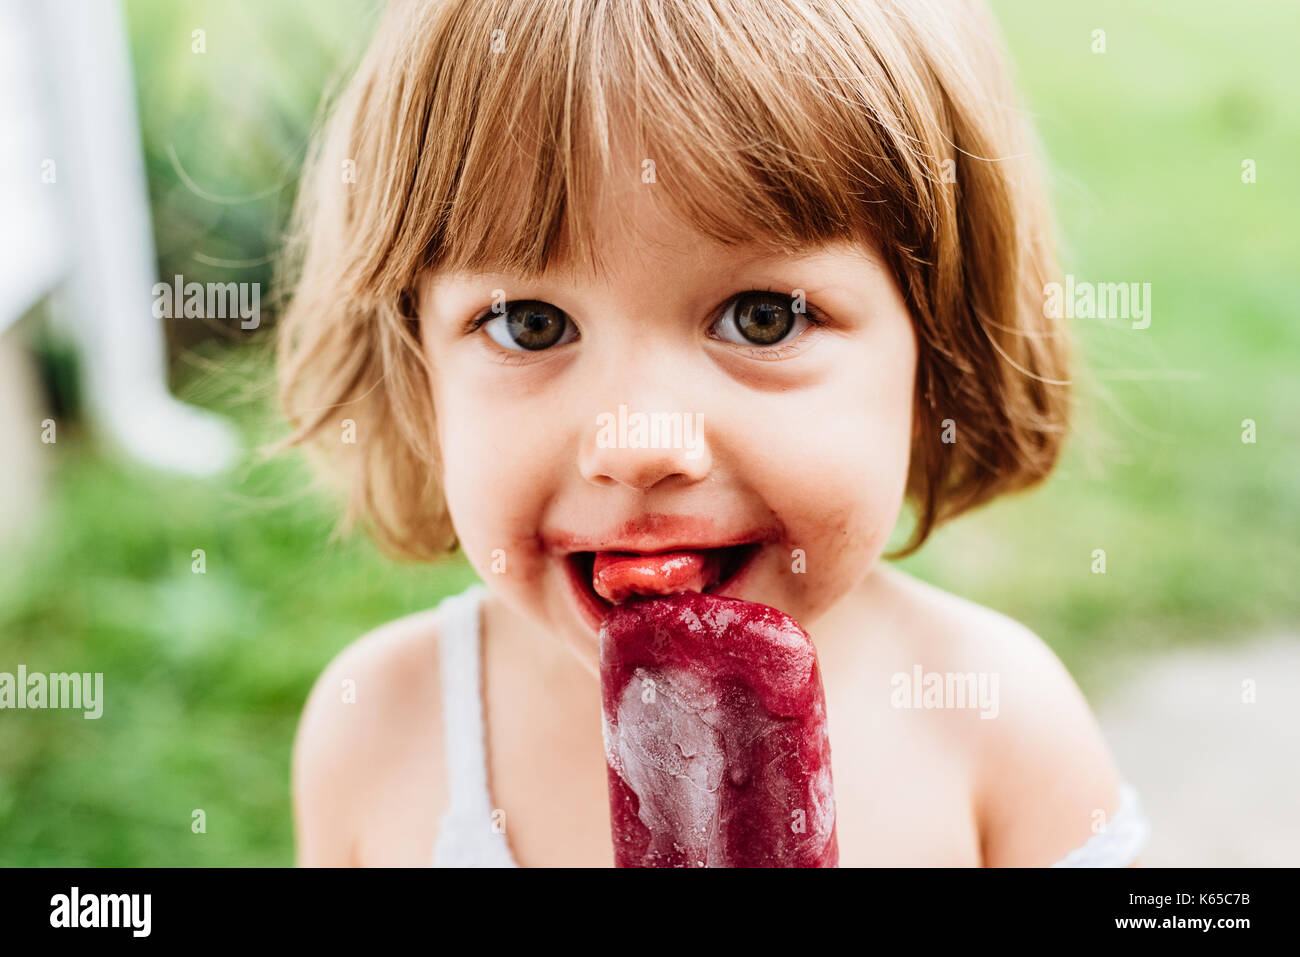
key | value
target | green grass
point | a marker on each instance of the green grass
(205, 675)
(1146, 143)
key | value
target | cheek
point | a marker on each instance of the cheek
(836, 468)
(496, 482)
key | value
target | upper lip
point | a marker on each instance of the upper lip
(642, 549)
(652, 535)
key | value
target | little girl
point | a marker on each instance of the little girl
(729, 278)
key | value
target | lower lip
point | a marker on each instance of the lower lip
(593, 608)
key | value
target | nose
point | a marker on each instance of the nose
(640, 446)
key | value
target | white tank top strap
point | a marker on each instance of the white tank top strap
(468, 833)
(1119, 843)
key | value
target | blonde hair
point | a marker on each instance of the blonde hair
(478, 131)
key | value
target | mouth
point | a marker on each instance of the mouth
(720, 569)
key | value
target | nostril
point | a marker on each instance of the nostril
(648, 456)
(643, 477)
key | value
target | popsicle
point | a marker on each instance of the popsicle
(715, 732)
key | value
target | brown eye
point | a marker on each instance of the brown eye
(759, 318)
(529, 325)
(535, 325)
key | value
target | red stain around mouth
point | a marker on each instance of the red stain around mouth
(645, 533)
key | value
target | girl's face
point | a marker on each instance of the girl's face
(673, 403)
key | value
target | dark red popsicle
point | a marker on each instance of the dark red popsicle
(715, 736)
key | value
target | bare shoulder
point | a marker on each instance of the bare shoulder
(373, 709)
(1043, 776)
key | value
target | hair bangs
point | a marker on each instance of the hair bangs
(746, 125)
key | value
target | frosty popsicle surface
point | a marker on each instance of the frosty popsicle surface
(715, 735)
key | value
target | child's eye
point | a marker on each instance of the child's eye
(762, 318)
(528, 326)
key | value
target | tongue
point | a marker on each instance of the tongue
(616, 575)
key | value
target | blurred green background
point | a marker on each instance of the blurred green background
(207, 674)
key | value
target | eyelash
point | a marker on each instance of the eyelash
(814, 316)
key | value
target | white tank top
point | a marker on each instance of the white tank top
(468, 833)
(471, 832)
